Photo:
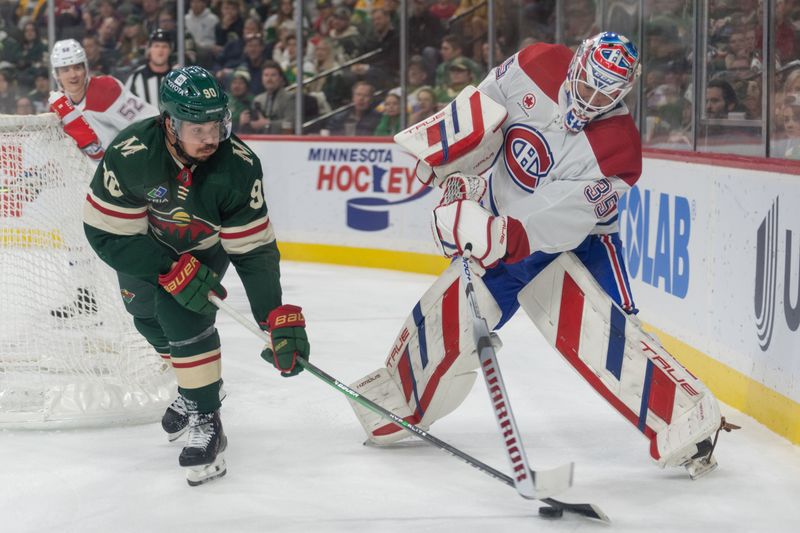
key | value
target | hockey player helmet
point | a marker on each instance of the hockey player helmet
(603, 70)
(65, 53)
(192, 95)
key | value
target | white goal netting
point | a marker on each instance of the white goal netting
(69, 354)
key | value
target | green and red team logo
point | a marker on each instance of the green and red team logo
(127, 296)
(179, 229)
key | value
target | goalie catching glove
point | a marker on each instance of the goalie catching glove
(459, 220)
(189, 281)
(75, 125)
(287, 328)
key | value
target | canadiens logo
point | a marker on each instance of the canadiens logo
(180, 230)
(528, 157)
(528, 101)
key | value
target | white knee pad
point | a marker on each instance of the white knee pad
(431, 366)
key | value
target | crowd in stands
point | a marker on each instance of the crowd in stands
(732, 112)
(351, 58)
(350, 49)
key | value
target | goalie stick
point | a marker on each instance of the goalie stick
(584, 509)
(532, 484)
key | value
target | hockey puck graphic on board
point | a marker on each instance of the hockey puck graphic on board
(551, 512)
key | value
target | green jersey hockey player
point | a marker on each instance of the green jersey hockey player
(174, 201)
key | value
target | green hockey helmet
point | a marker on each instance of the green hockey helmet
(192, 95)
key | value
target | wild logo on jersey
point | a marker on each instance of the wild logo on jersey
(179, 229)
(528, 157)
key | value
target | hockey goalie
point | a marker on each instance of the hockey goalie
(557, 145)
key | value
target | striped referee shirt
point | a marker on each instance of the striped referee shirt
(145, 83)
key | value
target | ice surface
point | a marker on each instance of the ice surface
(296, 463)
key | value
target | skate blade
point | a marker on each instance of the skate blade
(407, 443)
(197, 475)
(700, 468)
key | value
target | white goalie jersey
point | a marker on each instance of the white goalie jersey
(560, 185)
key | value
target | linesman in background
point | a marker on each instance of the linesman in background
(145, 80)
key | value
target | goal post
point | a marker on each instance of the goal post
(85, 365)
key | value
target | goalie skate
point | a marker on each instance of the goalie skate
(203, 454)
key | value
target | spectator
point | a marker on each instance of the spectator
(108, 38)
(451, 49)
(240, 97)
(231, 25)
(24, 106)
(201, 23)
(145, 81)
(166, 20)
(580, 21)
(790, 115)
(98, 63)
(272, 110)
(41, 91)
(321, 23)
(460, 76)
(29, 55)
(361, 118)
(443, 9)
(232, 54)
(381, 70)
(333, 86)
(416, 79)
(390, 117)
(8, 98)
(425, 31)
(132, 43)
(426, 105)
(720, 99)
(284, 19)
(344, 35)
(150, 13)
(288, 59)
(255, 57)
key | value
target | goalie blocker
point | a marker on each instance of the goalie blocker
(430, 368)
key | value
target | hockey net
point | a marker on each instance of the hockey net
(69, 354)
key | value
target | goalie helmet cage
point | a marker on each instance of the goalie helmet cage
(88, 369)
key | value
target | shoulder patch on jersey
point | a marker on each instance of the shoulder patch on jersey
(546, 65)
(617, 147)
(102, 92)
(240, 149)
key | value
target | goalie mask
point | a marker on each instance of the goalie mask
(603, 70)
(196, 105)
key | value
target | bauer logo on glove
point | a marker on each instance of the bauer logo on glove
(287, 328)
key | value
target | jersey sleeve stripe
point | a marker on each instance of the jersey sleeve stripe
(237, 232)
(100, 218)
(116, 211)
(245, 240)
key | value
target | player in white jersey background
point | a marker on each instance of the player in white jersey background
(101, 102)
(563, 148)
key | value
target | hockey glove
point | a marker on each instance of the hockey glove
(75, 125)
(287, 328)
(492, 238)
(189, 281)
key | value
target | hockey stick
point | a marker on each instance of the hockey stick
(583, 509)
(534, 484)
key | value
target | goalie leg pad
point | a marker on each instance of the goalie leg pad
(626, 366)
(431, 365)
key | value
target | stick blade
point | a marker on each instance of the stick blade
(588, 510)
